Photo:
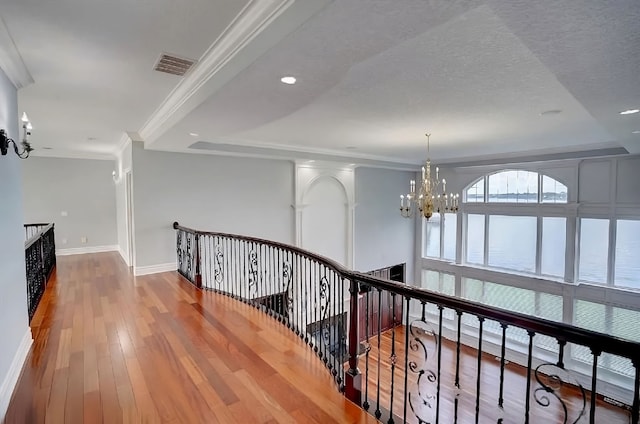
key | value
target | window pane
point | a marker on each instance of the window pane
(475, 239)
(475, 193)
(472, 289)
(431, 280)
(512, 242)
(450, 227)
(591, 316)
(432, 236)
(510, 298)
(513, 187)
(554, 239)
(439, 282)
(594, 248)
(553, 191)
(628, 254)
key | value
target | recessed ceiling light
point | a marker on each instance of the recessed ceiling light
(288, 80)
(635, 132)
(310, 161)
(551, 112)
(192, 134)
(352, 164)
(629, 111)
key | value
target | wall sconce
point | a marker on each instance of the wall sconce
(26, 146)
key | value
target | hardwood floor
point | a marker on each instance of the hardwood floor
(112, 348)
(514, 388)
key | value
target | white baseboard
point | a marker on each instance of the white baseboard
(83, 250)
(154, 269)
(124, 256)
(11, 379)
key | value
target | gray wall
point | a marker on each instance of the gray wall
(13, 293)
(82, 188)
(382, 236)
(216, 193)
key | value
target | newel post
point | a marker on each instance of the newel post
(353, 378)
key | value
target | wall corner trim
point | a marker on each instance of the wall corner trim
(83, 250)
(154, 269)
(15, 369)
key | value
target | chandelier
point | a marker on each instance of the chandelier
(432, 196)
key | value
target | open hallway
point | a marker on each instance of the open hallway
(110, 347)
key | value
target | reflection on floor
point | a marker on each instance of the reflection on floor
(424, 400)
(113, 348)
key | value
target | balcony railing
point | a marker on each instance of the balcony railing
(40, 260)
(412, 372)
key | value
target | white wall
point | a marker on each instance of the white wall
(82, 188)
(382, 236)
(16, 336)
(325, 216)
(123, 167)
(217, 193)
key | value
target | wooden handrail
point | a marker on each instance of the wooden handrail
(597, 341)
(317, 276)
(36, 236)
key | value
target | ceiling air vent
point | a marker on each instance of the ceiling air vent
(173, 65)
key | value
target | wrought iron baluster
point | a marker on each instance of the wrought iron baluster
(528, 394)
(635, 408)
(481, 321)
(502, 363)
(457, 377)
(378, 413)
(440, 308)
(393, 357)
(406, 358)
(367, 349)
(596, 351)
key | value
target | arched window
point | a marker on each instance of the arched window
(516, 186)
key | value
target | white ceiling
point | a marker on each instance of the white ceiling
(373, 77)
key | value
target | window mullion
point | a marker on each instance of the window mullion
(539, 230)
(485, 261)
(442, 223)
(611, 260)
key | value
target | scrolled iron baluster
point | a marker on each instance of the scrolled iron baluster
(253, 274)
(287, 277)
(420, 396)
(548, 376)
(218, 273)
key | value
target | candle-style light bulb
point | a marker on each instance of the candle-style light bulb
(25, 118)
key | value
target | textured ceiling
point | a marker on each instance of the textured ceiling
(373, 77)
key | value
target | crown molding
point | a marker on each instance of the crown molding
(122, 145)
(299, 154)
(10, 60)
(71, 154)
(250, 22)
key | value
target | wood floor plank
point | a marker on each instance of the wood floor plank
(113, 348)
